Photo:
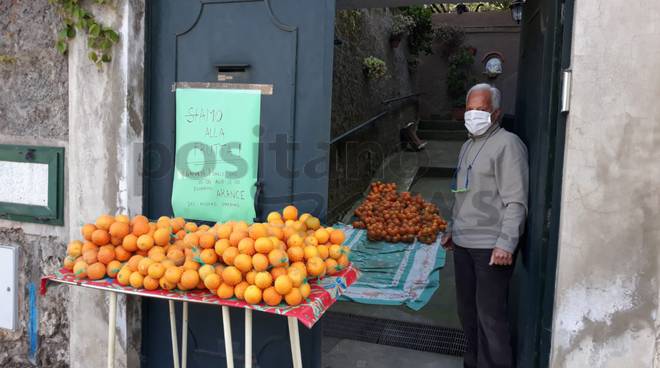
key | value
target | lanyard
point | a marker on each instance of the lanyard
(466, 188)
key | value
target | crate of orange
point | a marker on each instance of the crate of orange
(290, 265)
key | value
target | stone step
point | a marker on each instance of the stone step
(441, 125)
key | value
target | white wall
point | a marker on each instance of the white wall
(606, 297)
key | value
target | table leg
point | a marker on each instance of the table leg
(226, 326)
(248, 338)
(175, 345)
(112, 323)
(184, 337)
(294, 338)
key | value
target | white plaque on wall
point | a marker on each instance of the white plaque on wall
(24, 183)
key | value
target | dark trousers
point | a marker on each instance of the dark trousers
(482, 292)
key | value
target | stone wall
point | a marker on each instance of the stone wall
(355, 99)
(34, 111)
(607, 288)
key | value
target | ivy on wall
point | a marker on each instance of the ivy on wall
(77, 20)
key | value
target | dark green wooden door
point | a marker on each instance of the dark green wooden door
(545, 52)
(286, 43)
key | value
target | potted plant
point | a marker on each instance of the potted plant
(459, 79)
(401, 25)
(374, 68)
(450, 37)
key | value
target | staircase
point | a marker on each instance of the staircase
(441, 130)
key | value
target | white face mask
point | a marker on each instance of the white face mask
(477, 122)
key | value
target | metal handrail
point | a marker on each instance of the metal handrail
(373, 118)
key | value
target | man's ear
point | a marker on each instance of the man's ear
(496, 116)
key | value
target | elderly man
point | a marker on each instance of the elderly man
(490, 187)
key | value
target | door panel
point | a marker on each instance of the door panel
(287, 43)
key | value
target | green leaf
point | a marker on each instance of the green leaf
(92, 56)
(112, 35)
(94, 30)
(106, 58)
(62, 33)
(71, 32)
(62, 47)
(105, 44)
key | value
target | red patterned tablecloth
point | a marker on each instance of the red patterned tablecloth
(324, 293)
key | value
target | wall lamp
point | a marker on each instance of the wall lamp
(517, 10)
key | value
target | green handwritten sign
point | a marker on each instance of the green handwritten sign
(217, 154)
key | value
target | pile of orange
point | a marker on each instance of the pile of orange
(269, 262)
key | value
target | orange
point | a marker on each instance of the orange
(119, 229)
(295, 254)
(271, 297)
(322, 235)
(136, 280)
(273, 216)
(231, 276)
(157, 256)
(246, 246)
(278, 258)
(324, 251)
(294, 297)
(312, 223)
(122, 218)
(115, 241)
(279, 244)
(104, 222)
(288, 232)
(145, 242)
(96, 271)
(74, 248)
(276, 232)
(343, 261)
(206, 270)
(113, 268)
(133, 262)
(140, 228)
(225, 291)
(189, 279)
(208, 256)
(155, 270)
(106, 254)
(252, 294)
(177, 256)
(221, 245)
(122, 254)
(241, 226)
(124, 276)
(229, 255)
(87, 231)
(150, 283)
(315, 266)
(191, 240)
(290, 213)
(173, 274)
(203, 228)
(130, 243)
(298, 226)
(295, 240)
(331, 266)
(257, 231)
(277, 272)
(69, 262)
(177, 224)
(163, 222)
(100, 237)
(212, 281)
(300, 266)
(296, 276)
(90, 256)
(139, 218)
(277, 222)
(310, 252)
(239, 290)
(243, 262)
(335, 251)
(219, 268)
(223, 231)
(190, 227)
(162, 236)
(283, 284)
(206, 240)
(236, 237)
(263, 245)
(336, 236)
(305, 290)
(304, 217)
(189, 264)
(250, 277)
(88, 245)
(143, 266)
(165, 284)
(311, 240)
(263, 279)
(260, 262)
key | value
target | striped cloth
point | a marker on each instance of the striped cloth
(393, 273)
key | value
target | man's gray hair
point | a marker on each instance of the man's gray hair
(495, 94)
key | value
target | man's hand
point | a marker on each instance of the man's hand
(447, 242)
(500, 257)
